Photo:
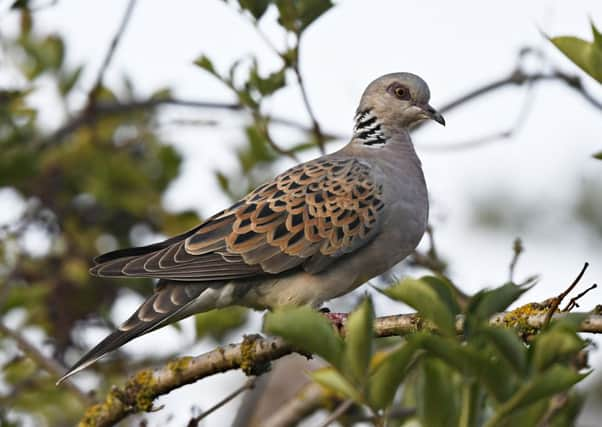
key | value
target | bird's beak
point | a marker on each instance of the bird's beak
(432, 114)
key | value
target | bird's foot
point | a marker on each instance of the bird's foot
(337, 319)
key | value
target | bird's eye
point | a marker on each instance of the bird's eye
(402, 92)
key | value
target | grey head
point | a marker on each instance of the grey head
(390, 104)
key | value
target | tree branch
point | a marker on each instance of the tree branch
(250, 383)
(555, 302)
(253, 353)
(110, 53)
(517, 77)
(307, 401)
(46, 363)
(339, 411)
(315, 125)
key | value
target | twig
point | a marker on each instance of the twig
(101, 110)
(430, 259)
(517, 249)
(395, 413)
(517, 77)
(556, 404)
(557, 300)
(250, 383)
(340, 410)
(573, 302)
(110, 53)
(315, 125)
(433, 253)
(140, 390)
(263, 127)
(307, 401)
(49, 365)
(511, 131)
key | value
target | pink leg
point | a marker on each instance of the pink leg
(337, 319)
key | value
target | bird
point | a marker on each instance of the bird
(315, 232)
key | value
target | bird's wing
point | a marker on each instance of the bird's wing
(308, 216)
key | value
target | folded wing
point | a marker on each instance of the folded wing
(306, 217)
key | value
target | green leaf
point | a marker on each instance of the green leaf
(161, 94)
(451, 351)
(217, 323)
(206, 64)
(598, 155)
(388, 375)
(424, 297)
(68, 80)
(555, 380)
(307, 330)
(469, 361)
(20, 4)
(268, 85)
(509, 346)
(287, 14)
(438, 402)
(256, 7)
(486, 303)
(586, 55)
(358, 342)
(579, 51)
(52, 52)
(331, 379)
(558, 343)
(310, 10)
(445, 289)
(297, 15)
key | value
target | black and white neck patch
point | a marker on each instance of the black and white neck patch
(368, 129)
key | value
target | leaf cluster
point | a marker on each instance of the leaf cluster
(473, 374)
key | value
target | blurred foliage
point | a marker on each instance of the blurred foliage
(588, 207)
(97, 183)
(485, 376)
(86, 190)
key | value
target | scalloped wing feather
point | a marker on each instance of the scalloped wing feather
(306, 217)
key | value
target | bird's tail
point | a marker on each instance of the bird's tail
(170, 302)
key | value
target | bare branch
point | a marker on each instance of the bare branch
(517, 249)
(340, 410)
(307, 401)
(139, 392)
(250, 383)
(46, 363)
(110, 53)
(516, 78)
(573, 302)
(557, 300)
(263, 128)
(86, 117)
(315, 125)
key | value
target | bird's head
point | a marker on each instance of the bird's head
(396, 100)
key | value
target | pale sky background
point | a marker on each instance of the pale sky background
(453, 45)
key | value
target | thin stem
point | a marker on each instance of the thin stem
(315, 125)
(517, 249)
(250, 383)
(340, 410)
(111, 52)
(48, 364)
(573, 302)
(557, 300)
